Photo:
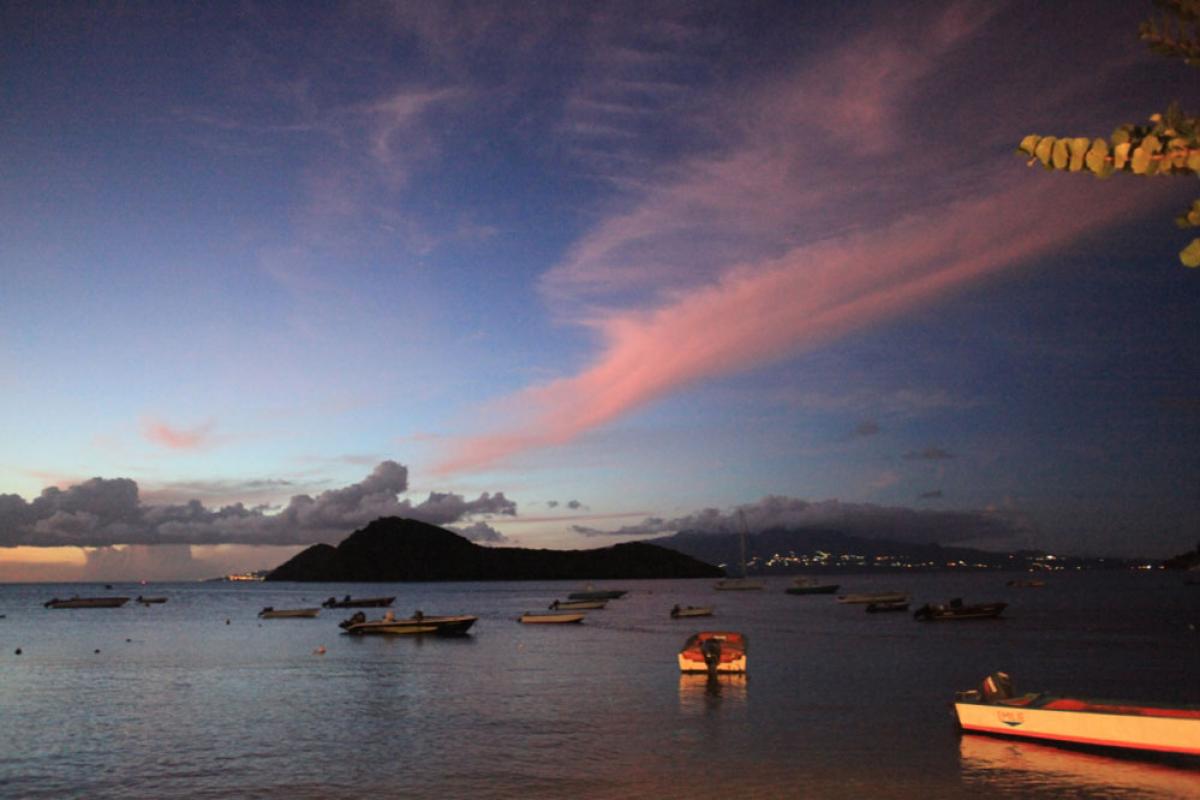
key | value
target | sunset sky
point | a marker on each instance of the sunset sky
(564, 274)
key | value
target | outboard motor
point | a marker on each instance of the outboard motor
(996, 687)
(711, 650)
(356, 618)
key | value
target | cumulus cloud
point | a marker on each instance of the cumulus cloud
(481, 532)
(859, 519)
(102, 512)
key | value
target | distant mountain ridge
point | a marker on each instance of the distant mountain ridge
(785, 551)
(394, 549)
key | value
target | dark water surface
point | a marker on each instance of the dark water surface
(837, 703)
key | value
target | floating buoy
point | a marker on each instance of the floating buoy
(320, 651)
(226, 622)
(18, 651)
(97, 650)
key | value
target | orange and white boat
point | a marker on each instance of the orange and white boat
(714, 652)
(994, 709)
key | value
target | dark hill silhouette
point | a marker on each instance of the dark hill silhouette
(397, 549)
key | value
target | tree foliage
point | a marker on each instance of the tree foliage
(1168, 145)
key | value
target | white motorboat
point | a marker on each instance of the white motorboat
(995, 709)
(418, 623)
(714, 652)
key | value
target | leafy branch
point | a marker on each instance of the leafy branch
(1169, 145)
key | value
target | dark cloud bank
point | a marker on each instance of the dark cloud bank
(859, 519)
(103, 512)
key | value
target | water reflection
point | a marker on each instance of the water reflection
(709, 693)
(1014, 765)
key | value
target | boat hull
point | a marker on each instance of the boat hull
(732, 658)
(550, 619)
(876, 597)
(828, 588)
(439, 626)
(578, 605)
(290, 613)
(691, 612)
(951, 614)
(1143, 731)
(365, 602)
(87, 602)
(739, 585)
(598, 594)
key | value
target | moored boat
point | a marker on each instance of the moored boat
(149, 601)
(361, 602)
(681, 612)
(879, 608)
(598, 594)
(955, 610)
(811, 586)
(714, 653)
(738, 585)
(1030, 583)
(873, 597)
(270, 612)
(995, 709)
(87, 602)
(549, 619)
(578, 605)
(417, 624)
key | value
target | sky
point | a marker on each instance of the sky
(569, 274)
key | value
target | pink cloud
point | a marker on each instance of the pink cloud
(160, 433)
(812, 295)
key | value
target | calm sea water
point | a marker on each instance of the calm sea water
(180, 703)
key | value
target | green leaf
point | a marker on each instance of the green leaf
(1190, 255)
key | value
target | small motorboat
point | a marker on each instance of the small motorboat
(873, 597)
(87, 602)
(879, 608)
(681, 612)
(995, 709)
(578, 605)
(417, 624)
(549, 619)
(811, 586)
(598, 594)
(955, 610)
(270, 612)
(714, 653)
(738, 585)
(362, 602)
(149, 601)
